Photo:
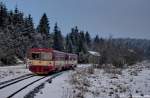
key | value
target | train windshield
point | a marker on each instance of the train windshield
(41, 56)
(35, 56)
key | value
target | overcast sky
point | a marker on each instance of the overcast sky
(118, 18)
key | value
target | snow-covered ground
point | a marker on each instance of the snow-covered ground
(10, 72)
(123, 83)
(58, 88)
(113, 83)
(104, 85)
(85, 82)
(5, 92)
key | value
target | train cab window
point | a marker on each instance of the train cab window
(35, 56)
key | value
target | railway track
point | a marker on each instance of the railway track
(15, 80)
(10, 93)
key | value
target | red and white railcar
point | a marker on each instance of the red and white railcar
(46, 60)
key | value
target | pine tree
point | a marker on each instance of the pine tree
(82, 44)
(82, 35)
(10, 17)
(58, 39)
(27, 37)
(74, 35)
(96, 39)
(69, 46)
(28, 26)
(43, 26)
(3, 14)
(43, 29)
(30, 22)
(95, 43)
(88, 39)
(7, 51)
(18, 18)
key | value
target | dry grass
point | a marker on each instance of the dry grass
(80, 82)
(112, 70)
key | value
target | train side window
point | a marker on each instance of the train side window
(46, 56)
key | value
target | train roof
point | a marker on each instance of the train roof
(72, 54)
(50, 50)
(41, 49)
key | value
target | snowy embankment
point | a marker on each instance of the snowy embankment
(10, 72)
(86, 82)
(131, 82)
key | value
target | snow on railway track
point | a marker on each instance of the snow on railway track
(15, 80)
(21, 88)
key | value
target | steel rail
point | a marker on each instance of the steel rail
(15, 81)
(53, 76)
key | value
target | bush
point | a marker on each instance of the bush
(90, 70)
(118, 62)
(7, 57)
(112, 70)
(8, 60)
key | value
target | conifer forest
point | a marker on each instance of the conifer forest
(18, 34)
